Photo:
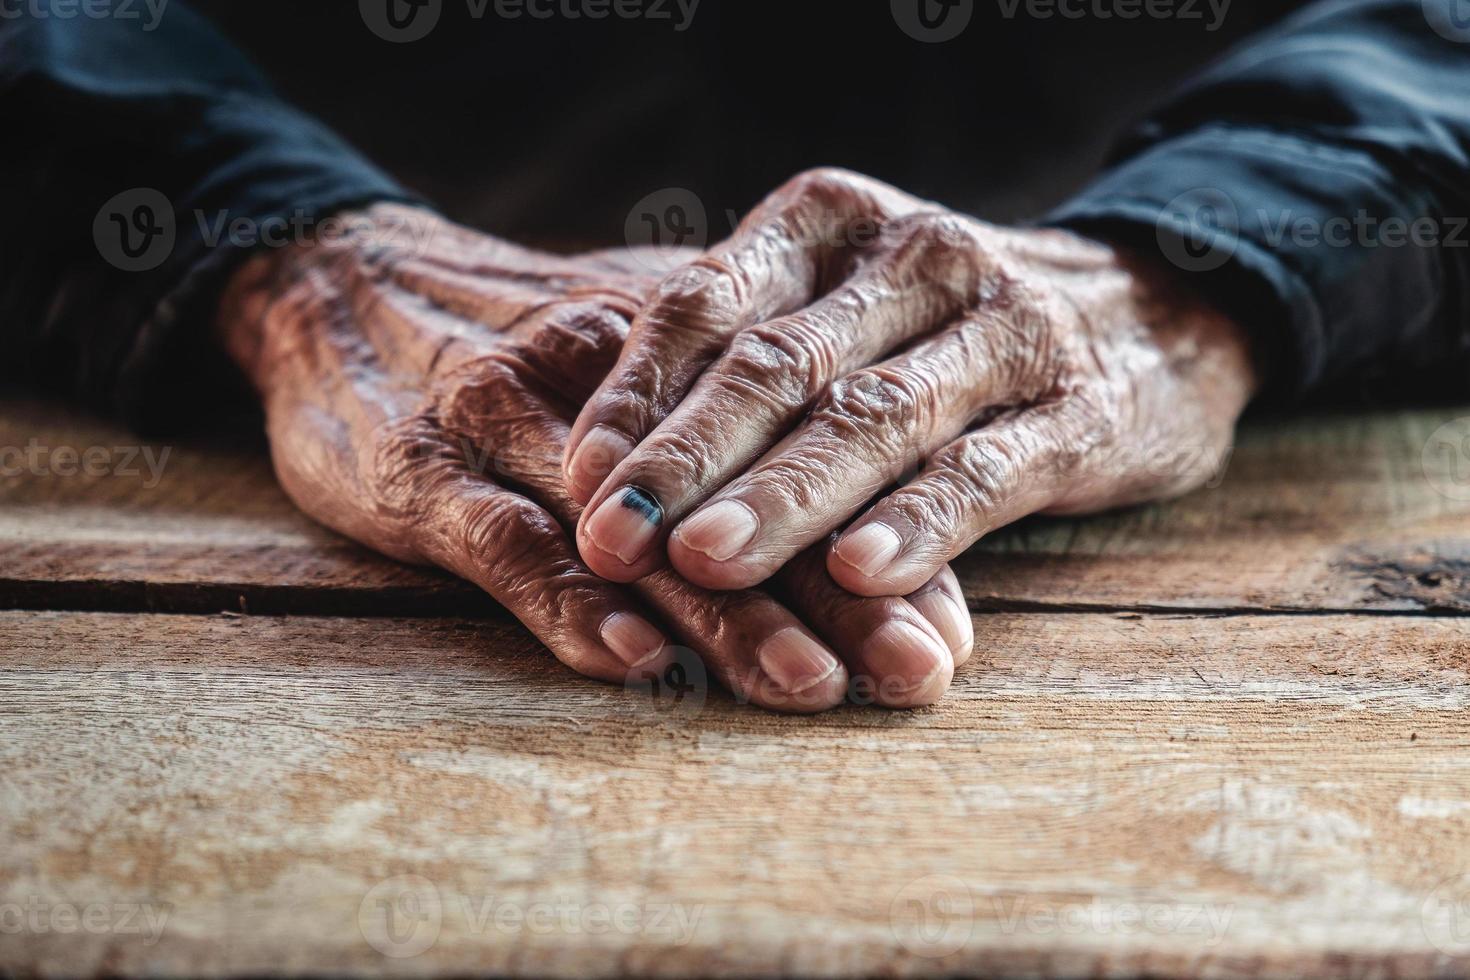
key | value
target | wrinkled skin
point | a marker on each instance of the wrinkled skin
(848, 335)
(418, 380)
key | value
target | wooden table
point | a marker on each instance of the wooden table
(1227, 735)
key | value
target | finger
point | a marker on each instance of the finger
(436, 484)
(1013, 467)
(575, 345)
(417, 503)
(895, 655)
(430, 287)
(427, 318)
(752, 643)
(942, 603)
(518, 553)
(773, 264)
(765, 382)
(866, 432)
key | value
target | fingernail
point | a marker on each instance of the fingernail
(795, 661)
(953, 623)
(720, 530)
(599, 453)
(626, 523)
(870, 548)
(632, 638)
(905, 653)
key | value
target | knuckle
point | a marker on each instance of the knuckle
(559, 591)
(889, 406)
(944, 232)
(865, 397)
(696, 301)
(1072, 433)
(582, 330)
(787, 360)
(400, 459)
(700, 614)
(821, 182)
(950, 250)
(506, 532)
(632, 402)
(980, 476)
(938, 506)
(501, 368)
(792, 483)
(485, 388)
(677, 460)
(1015, 335)
(805, 207)
(515, 543)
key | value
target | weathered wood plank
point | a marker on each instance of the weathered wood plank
(1339, 513)
(1100, 795)
(1342, 512)
(170, 526)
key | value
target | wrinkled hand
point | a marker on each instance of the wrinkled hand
(418, 380)
(848, 334)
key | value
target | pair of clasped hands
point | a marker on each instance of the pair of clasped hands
(766, 455)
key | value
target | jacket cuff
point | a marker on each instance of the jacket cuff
(1299, 241)
(285, 176)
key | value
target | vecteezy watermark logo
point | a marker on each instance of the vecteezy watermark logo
(401, 916)
(137, 10)
(1182, 10)
(39, 917)
(93, 462)
(1445, 916)
(401, 21)
(932, 916)
(675, 685)
(670, 923)
(1197, 230)
(1207, 922)
(134, 230)
(1450, 19)
(137, 230)
(668, 221)
(1445, 459)
(679, 12)
(932, 21)
(935, 915)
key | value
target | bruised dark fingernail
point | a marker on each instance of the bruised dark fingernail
(869, 549)
(626, 524)
(599, 453)
(632, 638)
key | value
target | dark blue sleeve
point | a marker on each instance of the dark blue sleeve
(143, 156)
(1315, 184)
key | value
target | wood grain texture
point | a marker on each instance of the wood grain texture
(1340, 513)
(1101, 795)
(1365, 512)
(179, 527)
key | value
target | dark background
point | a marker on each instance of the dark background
(552, 130)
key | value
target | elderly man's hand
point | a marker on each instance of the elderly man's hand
(849, 333)
(418, 382)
